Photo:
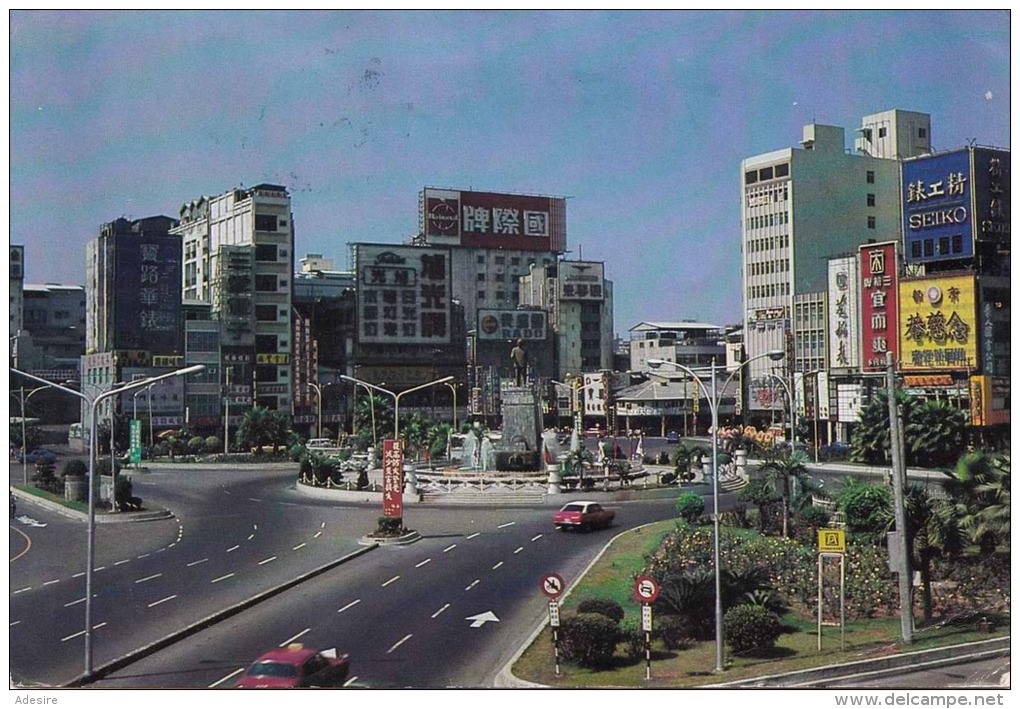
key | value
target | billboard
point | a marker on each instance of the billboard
(938, 323)
(493, 220)
(938, 223)
(879, 311)
(147, 292)
(991, 194)
(844, 315)
(581, 280)
(507, 324)
(403, 294)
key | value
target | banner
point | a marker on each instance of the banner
(393, 478)
(136, 441)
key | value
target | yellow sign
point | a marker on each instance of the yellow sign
(989, 400)
(938, 323)
(832, 540)
(270, 358)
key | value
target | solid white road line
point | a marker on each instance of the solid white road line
(221, 578)
(440, 610)
(200, 561)
(473, 584)
(518, 550)
(536, 537)
(163, 600)
(266, 561)
(218, 682)
(508, 524)
(148, 578)
(497, 566)
(452, 546)
(390, 581)
(285, 643)
(238, 546)
(299, 546)
(422, 563)
(349, 605)
(473, 535)
(400, 642)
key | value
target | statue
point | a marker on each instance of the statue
(519, 360)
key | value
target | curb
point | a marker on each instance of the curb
(410, 538)
(356, 496)
(199, 625)
(116, 518)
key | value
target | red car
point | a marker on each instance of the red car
(583, 515)
(296, 666)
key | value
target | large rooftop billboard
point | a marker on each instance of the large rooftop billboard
(493, 220)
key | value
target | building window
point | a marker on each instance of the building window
(500, 295)
(957, 243)
(783, 170)
(266, 343)
(481, 277)
(765, 173)
(265, 222)
(265, 252)
(943, 246)
(265, 313)
(915, 249)
(871, 200)
(266, 373)
(481, 258)
(750, 177)
(871, 222)
(870, 177)
(922, 132)
(515, 260)
(499, 260)
(929, 247)
(481, 295)
(881, 132)
(265, 283)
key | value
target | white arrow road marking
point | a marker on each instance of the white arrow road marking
(452, 546)
(508, 524)
(536, 537)
(390, 581)
(482, 618)
(400, 642)
(200, 561)
(422, 563)
(25, 519)
(285, 643)
(162, 600)
(221, 578)
(440, 610)
(473, 535)
(349, 605)
(473, 584)
(218, 682)
(148, 578)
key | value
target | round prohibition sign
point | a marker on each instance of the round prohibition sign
(646, 589)
(552, 585)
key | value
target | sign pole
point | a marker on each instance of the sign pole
(552, 587)
(556, 649)
(646, 614)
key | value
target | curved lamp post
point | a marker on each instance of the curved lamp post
(713, 403)
(396, 395)
(24, 440)
(453, 390)
(318, 399)
(793, 406)
(93, 403)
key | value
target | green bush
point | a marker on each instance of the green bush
(603, 606)
(663, 458)
(814, 516)
(750, 628)
(690, 506)
(212, 445)
(632, 637)
(389, 526)
(45, 479)
(296, 451)
(74, 467)
(676, 632)
(122, 493)
(589, 640)
(195, 444)
(667, 478)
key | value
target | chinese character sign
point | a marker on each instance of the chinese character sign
(937, 328)
(491, 220)
(506, 324)
(403, 294)
(147, 283)
(393, 478)
(878, 273)
(844, 318)
(991, 194)
(937, 219)
(580, 280)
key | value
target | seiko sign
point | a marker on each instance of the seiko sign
(938, 217)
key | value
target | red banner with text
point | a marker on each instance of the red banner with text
(393, 478)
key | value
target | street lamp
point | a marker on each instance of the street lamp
(318, 399)
(713, 403)
(396, 396)
(93, 403)
(453, 390)
(24, 439)
(793, 407)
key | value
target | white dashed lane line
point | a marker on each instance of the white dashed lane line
(218, 682)
(285, 643)
(317, 534)
(221, 578)
(196, 563)
(400, 642)
(50, 583)
(148, 578)
(452, 546)
(233, 548)
(299, 546)
(473, 535)
(473, 584)
(266, 561)
(141, 556)
(436, 614)
(80, 633)
(349, 605)
(518, 550)
(22, 590)
(122, 561)
(497, 565)
(508, 524)
(536, 537)
(251, 536)
(351, 681)
(422, 563)
(162, 600)
(390, 581)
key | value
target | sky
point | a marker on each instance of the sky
(640, 119)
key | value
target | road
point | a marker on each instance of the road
(402, 612)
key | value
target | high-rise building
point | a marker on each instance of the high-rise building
(17, 267)
(799, 207)
(55, 319)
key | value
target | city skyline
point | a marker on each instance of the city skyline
(639, 119)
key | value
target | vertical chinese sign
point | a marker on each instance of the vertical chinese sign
(148, 293)
(393, 478)
(844, 317)
(879, 299)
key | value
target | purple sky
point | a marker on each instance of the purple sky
(641, 119)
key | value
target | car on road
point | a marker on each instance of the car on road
(39, 454)
(296, 666)
(583, 515)
(672, 437)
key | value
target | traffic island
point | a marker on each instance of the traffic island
(390, 531)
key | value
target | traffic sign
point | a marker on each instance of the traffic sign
(552, 585)
(554, 614)
(646, 618)
(832, 541)
(646, 589)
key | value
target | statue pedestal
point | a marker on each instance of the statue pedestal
(522, 430)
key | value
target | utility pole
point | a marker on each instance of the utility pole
(899, 470)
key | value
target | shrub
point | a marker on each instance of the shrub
(667, 478)
(75, 467)
(212, 445)
(122, 492)
(676, 632)
(690, 506)
(603, 606)
(736, 517)
(296, 451)
(389, 526)
(362, 479)
(632, 637)
(44, 478)
(588, 639)
(195, 444)
(663, 458)
(750, 628)
(814, 516)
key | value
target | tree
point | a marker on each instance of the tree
(371, 410)
(934, 432)
(979, 492)
(757, 493)
(869, 442)
(868, 508)
(777, 471)
(257, 429)
(929, 534)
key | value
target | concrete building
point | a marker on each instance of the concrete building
(685, 342)
(54, 316)
(800, 206)
(238, 258)
(17, 268)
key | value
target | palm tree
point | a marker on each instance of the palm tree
(777, 471)
(929, 534)
(995, 516)
(372, 414)
(979, 493)
(257, 429)
(934, 433)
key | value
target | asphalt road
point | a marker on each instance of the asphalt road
(402, 612)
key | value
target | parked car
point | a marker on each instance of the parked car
(583, 515)
(39, 454)
(672, 437)
(296, 666)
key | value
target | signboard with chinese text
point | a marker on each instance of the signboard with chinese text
(581, 280)
(403, 294)
(938, 323)
(393, 478)
(991, 194)
(507, 324)
(848, 403)
(937, 203)
(832, 541)
(136, 441)
(879, 311)
(844, 317)
(272, 358)
(147, 292)
(492, 220)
